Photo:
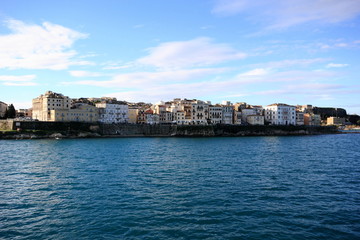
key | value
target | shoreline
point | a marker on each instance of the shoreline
(169, 131)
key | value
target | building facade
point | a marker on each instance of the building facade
(299, 118)
(24, 113)
(216, 114)
(311, 119)
(199, 112)
(78, 113)
(280, 114)
(228, 114)
(113, 112)
(237, 117)
(43, 105)
(3, 107)
(335, 121)
(255, 119)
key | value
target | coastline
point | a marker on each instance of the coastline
(43, 130)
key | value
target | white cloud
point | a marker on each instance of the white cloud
(32, 46)
(287, 13)
(201, 83)
(336, 65)
(22, 78)
(85, 74)
(111, 65)
(193, 53)
(293, 62)
(255, 72)
(19, 80)
(148, 79)
(20, 84)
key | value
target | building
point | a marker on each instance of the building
(132, 113)
(199, 112)
(3, 108)
(304, 108)
(43, 104)
(311, 119)
(140, 116)
(179, 118)
(216, 114)
(24, 113)
(280, 114)
(237, 117)
(151, 117)
(335, 121)
(255, 119)
(227, 114)
(247, 112)
(299, 117)
(113, 112)
(240, 105)
(78, 113)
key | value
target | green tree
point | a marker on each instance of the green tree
(10, 112)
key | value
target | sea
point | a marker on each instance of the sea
(290, 187)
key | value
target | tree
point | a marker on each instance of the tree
(354, 118)
(10, 112)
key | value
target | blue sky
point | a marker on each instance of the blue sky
(259, 52)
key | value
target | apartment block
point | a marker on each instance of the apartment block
(280, 114)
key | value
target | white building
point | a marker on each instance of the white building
(113, 112)
(199, 112)
(228, 114)
(151, 118)
(280, 114)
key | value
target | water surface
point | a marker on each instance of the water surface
(181, 188)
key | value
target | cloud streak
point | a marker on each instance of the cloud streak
(22, 80)
(198, 52)
(46, 46)
(278, 14)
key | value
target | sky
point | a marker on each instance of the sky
(259, 52)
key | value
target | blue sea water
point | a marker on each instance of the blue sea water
(181, 188)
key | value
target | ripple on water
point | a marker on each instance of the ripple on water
(181, 188)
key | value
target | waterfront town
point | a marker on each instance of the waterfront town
(55, 107)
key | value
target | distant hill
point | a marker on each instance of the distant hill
(330, 112)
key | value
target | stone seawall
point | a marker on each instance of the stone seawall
(6, 124)
(38, 129)
(137, 130)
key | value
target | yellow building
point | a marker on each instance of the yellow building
(43, 104)
(335, 121)
(312, 119)
(255, 119)
(133, 115)
(81, 113)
